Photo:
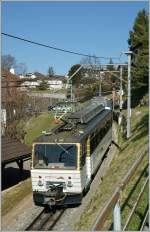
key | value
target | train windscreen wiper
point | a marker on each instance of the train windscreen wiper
(63, 152)
(66, 150)
(61, 146)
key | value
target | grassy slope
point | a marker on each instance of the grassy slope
(118, 168)
(36, 125)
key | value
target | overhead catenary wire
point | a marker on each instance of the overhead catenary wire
(55, 48)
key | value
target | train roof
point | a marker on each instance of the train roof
(78, 126)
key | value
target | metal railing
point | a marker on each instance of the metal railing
(113, 203)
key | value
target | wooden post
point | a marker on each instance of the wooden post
(20, 164)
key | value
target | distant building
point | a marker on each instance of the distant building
(31, 75)
(29, 85)
(57, 82)
(33, 80)
(12, 70)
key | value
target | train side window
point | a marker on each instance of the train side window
(93, 144)
(102, 132)
(105, 128)
(83, 153)
(99, 135)
(108, 125)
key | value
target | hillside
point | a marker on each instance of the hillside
(36, 125)
(118, 168)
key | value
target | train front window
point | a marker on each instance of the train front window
(61, 156)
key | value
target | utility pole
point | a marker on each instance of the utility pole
(100, 86)
(129, 95)
(120, 88)
(113, 98)
(71, 90)
(120, 115)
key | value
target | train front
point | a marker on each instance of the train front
(55, 174)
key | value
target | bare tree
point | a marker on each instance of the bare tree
(8, 62)
(91, 59)
(15, 104)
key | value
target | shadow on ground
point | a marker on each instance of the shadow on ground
(12, 176)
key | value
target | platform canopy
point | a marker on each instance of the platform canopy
(13, 150)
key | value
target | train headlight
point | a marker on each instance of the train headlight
(40, 182)
(69, 182)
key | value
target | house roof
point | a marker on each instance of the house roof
(57, 77)
(40, 76)
(8, 76)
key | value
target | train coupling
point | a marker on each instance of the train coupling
(56, 194)
(51, 202)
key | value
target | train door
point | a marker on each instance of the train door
(88, 161)
(83, 164)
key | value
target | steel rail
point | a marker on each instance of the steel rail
(53, 221)
(34, 221)
(45, 221)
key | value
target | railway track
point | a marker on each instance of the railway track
(45, 221)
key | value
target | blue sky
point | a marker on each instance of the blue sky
(99, 28)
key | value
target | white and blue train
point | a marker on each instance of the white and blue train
(65, 160)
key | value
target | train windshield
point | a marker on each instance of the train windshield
(61, 156)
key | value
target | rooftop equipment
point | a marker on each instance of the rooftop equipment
(86, 114)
